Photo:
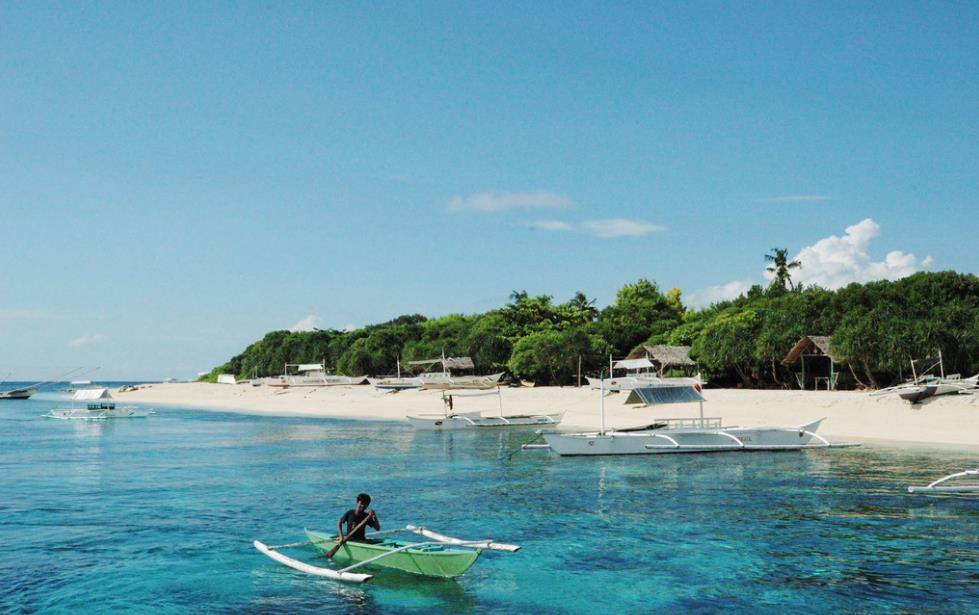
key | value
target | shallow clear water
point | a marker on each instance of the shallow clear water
(158, 515)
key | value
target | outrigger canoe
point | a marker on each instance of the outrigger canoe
(440, 556)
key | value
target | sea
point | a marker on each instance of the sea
(158, 515)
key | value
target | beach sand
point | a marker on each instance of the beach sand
(951, 420)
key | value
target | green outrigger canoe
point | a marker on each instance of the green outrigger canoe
(428, 560)
(439, 556)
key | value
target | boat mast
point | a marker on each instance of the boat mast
(602, 395)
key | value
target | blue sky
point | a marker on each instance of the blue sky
(177, 179)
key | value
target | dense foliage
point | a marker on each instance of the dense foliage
(876, 329)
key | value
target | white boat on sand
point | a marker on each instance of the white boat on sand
(450, 419)
(639, 373)
(98, 405)
(311, 375)
(444, 380)
(396, 382)
(682, 435)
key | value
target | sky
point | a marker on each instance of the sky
(177, 179)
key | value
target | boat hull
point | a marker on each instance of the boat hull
(440, 382)
(475, 421)
(395, 384)
(18, 393)
(429, 560)
(673, 441)
(98, 415)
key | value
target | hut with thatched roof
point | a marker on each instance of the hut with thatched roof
(664, 357)
(818, 364)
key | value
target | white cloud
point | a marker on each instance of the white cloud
(500, 201)
(23, 315)
(620, 227)
(713, 294)
(349, 328)
(799, 198)
(306, 324)
(87, 340)
(834, 261)
(550, 225)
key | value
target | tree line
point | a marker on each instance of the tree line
(876, 329)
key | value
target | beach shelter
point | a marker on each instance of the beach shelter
(226, 379)
(663, 357)
(817, 363)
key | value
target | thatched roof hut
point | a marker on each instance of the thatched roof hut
(664, 357)
(810, 346)
(815, 348)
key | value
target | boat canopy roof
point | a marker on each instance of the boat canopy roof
(664, 395)
(448, 362)
(84, 394)
(308, 367)
(633, 364)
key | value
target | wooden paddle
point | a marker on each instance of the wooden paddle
(344, 540)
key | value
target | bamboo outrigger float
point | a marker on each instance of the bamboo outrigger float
(937, 487)
(439, 556)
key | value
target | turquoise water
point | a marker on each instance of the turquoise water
(158, 515)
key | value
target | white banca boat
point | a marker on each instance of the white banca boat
(439, 556)
(396, 382)
(925, 385)
(311, 375)
(450, 419)
(22, 393)
(445, 380)
(98, 405)
(639, 373)
(940, 487)
(682, 435)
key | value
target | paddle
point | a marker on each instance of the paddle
(344, 540)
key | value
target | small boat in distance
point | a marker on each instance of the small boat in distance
(22, 393)
(450, 419)
(937, 487)
(439, 556)
(99, 405)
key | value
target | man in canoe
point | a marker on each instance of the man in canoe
(355, 520)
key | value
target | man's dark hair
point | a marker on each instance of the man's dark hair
(363, 497)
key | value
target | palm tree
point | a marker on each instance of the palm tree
(781, 267)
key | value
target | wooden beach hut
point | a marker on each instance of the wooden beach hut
(664, 357)
(817, 363)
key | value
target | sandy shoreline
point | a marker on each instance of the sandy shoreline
(952, 420)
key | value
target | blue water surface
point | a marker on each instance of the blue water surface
(158, 516)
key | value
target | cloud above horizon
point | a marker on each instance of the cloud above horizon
(549, 225)
(306, 324)
(502, 201)
(87, 340)
(834, 262)
(620, 227)
(709, 295)
(831, 263)
(799, 198)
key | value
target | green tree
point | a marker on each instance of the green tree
(781, 268)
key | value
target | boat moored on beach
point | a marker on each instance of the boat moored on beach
(681, 435)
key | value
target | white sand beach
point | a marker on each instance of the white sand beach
(951, 420)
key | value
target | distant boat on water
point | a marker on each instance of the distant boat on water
(99, 405)
(22, 393)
